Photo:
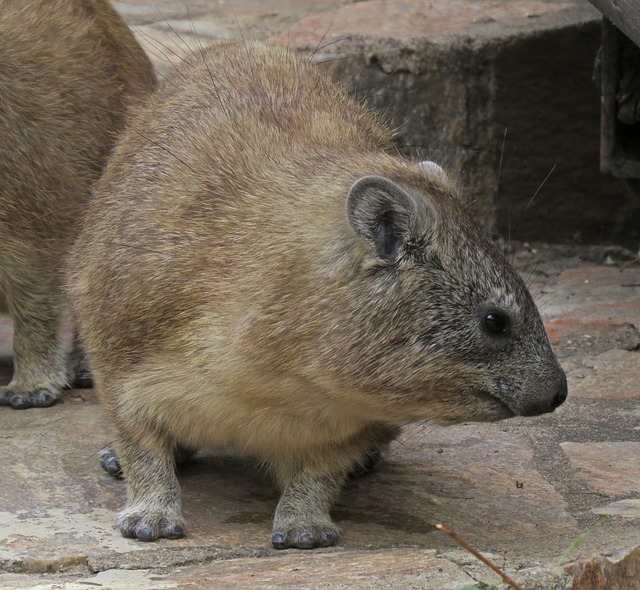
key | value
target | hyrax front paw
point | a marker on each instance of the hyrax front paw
(20, 400)
(305, 536)
(302, 517)
(148, 524)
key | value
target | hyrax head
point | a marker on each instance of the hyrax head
(433, 322)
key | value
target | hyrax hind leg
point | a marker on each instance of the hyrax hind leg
(375, 456)
(39, 372)
(111, 464)
(78, 370)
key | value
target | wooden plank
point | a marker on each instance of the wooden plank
(625, 14)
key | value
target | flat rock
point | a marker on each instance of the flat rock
(614, 374)
(627, 508)
(610, 467)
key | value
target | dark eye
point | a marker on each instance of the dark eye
(496, 322)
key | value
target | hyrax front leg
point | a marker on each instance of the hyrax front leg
(153, 507)
(302, 517)
(39, 372)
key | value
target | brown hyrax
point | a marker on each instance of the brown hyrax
(69, 69)
(260, 269)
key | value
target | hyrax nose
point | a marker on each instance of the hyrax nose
(561, 394)
(547, 401)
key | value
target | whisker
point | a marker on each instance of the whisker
(340, 40)
(235, 16)
(100, 450)
(162, 147)
(320, 42)
(538, 189)
(153, 41)
(171, 28)
(206, 63)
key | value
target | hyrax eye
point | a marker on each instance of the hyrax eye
(496, 323)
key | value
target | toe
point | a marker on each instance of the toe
(43, 398)
(20, 402)
(279, 541)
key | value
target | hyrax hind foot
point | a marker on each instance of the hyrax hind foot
(79, 373)
(109, 462)
(376, 455)
(371, 462)
(148, 523)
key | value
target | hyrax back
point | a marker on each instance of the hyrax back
(260, 269)
(69, 69)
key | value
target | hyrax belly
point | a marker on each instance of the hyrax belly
(260, 269)
(69, 70)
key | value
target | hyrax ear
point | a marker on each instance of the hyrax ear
(432, 167)
(380, 211)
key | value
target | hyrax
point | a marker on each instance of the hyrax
(68, 71)
(260, 269)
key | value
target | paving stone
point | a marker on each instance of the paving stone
(614, 374)
(626, 508)
(390, 569)
(409, 19)
(592, 286)
(109, 580)
(610, 467)
(57, 505)
(478, 477)
(597, 307)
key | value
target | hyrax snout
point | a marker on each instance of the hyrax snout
(260, 269)
(68, 71)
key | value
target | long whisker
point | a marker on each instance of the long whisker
(538, 189)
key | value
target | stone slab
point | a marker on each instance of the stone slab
(610, 467)
(618, 571)
(625, 508)
(614, 374)
(594, 307)
(329, 570)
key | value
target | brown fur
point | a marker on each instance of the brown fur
(235, 287)
(69, 69)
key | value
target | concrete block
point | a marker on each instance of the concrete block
(500, 91)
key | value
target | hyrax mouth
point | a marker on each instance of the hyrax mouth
(496, 408)
(531, 400)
